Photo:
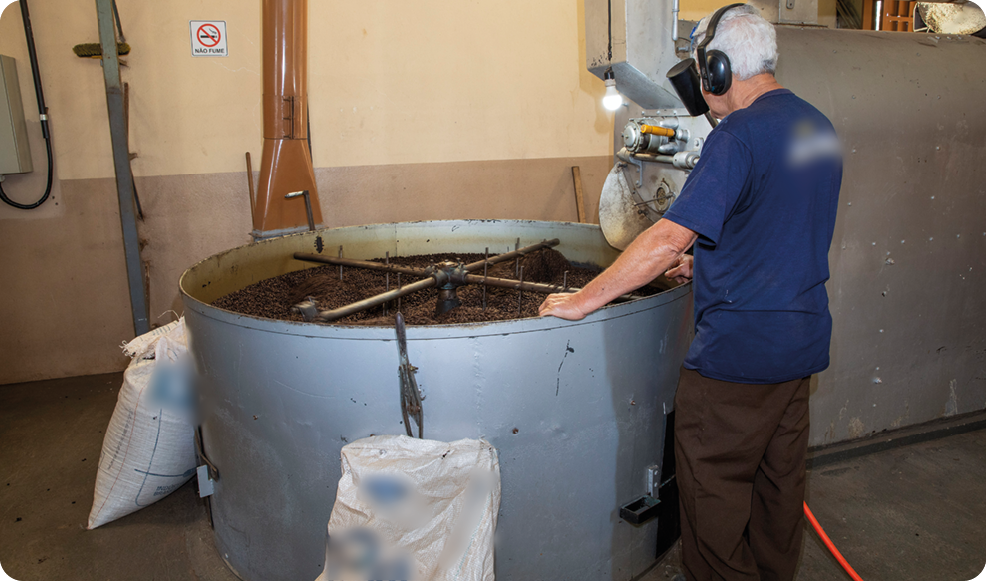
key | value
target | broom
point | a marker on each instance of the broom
(95, 50)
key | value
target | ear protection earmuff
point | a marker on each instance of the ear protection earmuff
(717, 76)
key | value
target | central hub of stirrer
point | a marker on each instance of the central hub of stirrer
(454, 275)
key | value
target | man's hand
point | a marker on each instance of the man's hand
(681, 270)
(651, 253)
(563, 306)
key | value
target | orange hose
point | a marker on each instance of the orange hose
(831, 547)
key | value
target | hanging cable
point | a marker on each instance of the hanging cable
(43, 110)
(609, 20)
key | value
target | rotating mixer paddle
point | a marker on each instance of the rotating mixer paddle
(447, 276)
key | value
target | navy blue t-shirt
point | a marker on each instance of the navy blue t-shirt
(763, 200)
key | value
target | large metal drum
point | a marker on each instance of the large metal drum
(576, 410)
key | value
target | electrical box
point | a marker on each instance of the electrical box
(15, 152)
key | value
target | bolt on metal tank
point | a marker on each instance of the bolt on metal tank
(576, 410)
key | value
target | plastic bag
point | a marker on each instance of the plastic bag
(149, 447)
(414, 509)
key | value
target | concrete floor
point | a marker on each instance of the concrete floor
(913, 512)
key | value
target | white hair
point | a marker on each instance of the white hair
(747, 38)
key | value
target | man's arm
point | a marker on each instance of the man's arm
(651, 253)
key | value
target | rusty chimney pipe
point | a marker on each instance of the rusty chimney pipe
(286, 165)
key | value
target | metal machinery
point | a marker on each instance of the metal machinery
(576, 411)
(286, 164)
(909, 251)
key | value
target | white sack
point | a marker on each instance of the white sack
(414, 509)
(149, 447)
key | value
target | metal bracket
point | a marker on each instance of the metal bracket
(640, 170)
(641, 510)
(207, 473)
(646, 507)
(653, 480)
(207, 486)
(411, 397)
(290, 103)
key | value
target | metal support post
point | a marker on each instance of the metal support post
(121, 165)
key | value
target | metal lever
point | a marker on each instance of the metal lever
(411, 406)
(308, 206)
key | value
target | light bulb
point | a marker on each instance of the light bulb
(612, 99)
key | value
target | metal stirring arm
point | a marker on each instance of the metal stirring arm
(511, 255)
(410, 394)
(423, 272)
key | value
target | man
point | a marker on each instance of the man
(760, 210)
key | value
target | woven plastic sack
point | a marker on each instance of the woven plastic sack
(149, 447)
(414, 509)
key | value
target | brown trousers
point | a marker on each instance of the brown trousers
(740, 451)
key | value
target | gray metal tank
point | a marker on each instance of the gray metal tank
(576, 410)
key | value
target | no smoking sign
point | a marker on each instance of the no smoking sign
(208, 37)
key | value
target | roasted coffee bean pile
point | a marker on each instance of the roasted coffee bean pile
(273, 298)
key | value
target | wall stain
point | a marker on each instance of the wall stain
(952, 405)
(856, 428)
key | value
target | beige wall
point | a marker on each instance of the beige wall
(420, 110)
(390, 82)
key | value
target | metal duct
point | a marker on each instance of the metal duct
(287, 164)
(634, 38)
(638, 40)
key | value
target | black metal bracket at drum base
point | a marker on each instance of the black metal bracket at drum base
(641, 510)
(661, 502)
